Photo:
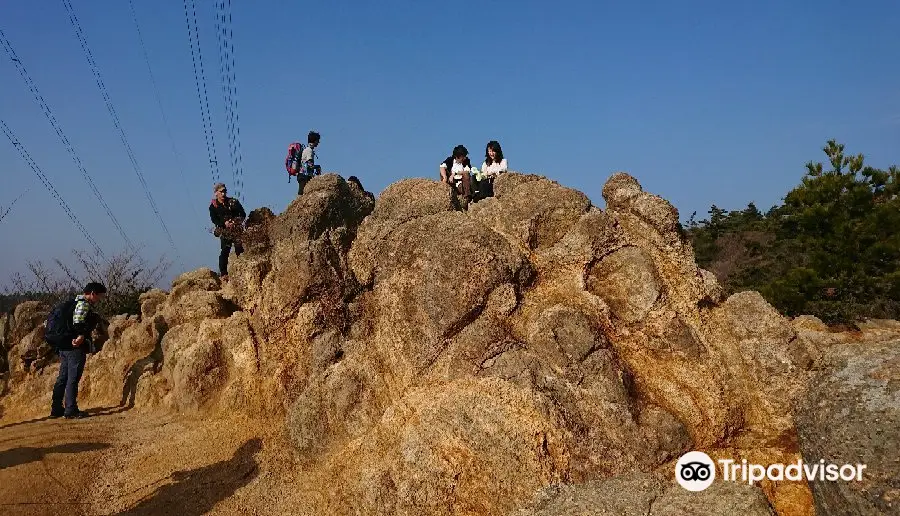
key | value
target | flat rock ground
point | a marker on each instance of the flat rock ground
(140, 463)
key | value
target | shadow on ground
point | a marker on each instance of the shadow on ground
(196, 491)
(24, 455)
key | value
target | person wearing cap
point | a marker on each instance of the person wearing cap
(228, 216)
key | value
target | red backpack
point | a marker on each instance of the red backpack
(292, 163)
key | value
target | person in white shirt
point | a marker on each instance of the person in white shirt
(457, 163)
(494, 162)
(308, 161)
(494, 165)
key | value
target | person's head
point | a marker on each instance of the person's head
(313, 139)
(460, 154)
(220, 191)
(94, 292)
(493, 153)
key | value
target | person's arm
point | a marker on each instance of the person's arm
(442, 170)
(80, 321)
(240, 209)
(214, 217)
(504, 167)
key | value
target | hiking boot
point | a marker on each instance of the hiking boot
(55, 415)
(77, 415)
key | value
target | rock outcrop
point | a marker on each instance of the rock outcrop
(646, 495)
(851, 415)
(428, 359)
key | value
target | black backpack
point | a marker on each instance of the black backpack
(59, 323)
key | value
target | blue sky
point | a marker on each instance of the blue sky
(703, 101)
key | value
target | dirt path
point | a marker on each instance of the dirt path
(140, 463)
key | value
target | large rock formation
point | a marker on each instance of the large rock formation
(426, 359)
(851, 415)
(646, 495)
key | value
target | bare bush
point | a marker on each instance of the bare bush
(126, 276)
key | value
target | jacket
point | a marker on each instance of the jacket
(221, 212)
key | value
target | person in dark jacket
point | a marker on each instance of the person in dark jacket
(228, 216)
(73, 353)
(457, 163)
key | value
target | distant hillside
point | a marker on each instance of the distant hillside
(831, 250)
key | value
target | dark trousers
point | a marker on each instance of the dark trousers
(302, 179)
(483, 189)
(226, 250)
(71, 366)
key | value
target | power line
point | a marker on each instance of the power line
(115, 118)
(226, 89)
(7, 46)
(200, 80)
(229, 87)
(47, 184)
(239, 160)
(162, 111)
(4, 213)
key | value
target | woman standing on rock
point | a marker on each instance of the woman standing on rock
(228, 216)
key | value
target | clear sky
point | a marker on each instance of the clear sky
(703, 101)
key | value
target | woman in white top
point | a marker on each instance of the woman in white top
(494, 162)
(494, 165)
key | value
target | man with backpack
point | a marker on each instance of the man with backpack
(228, 216)
(68, 330)
(301, 161)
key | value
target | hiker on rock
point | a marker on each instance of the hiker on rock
(308, 161)
(457, 164)
(353, 180)
(494, 165)
(68, 330)
(228, 216)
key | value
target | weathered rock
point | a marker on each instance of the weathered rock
(133, 349)
(505, 184)
(209, 361)
(428, 360)
(195, 365)
(327, 202)
(851, 415)
(34, 352)
(719, 499)
(627, 281)
(27, 316)
(340, 404)
(619, 189)
(535, 214)
(427, 293)
(467, 447)
(646, 495)
(631, 495)
(714, 292)
(400, 203)
(764, 359)
(5, 329)
(410, 199)
(6, 321)
(151, 301)
(255, 237)
(196, 305)
(200, 279)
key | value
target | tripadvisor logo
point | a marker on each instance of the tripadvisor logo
(695, 471)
